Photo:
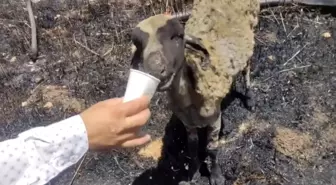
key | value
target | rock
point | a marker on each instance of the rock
(13, 59)
(271, 58)
(23, 104)
(57, 16)
(48, 105)
(76, 54)
(326, 35)
(38, 79)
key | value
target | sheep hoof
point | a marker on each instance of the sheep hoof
(216, 177)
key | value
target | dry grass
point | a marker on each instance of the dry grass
(48, 95)
(293, 143)
(152, 150)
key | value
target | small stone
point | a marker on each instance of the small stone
(326, 35)
(76, 54)
(271, 58)
(38, 79)
(95, 156)
(13, 59)
(23, 104)
(48, 105)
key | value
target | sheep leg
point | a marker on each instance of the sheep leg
(250, 104)
(193, 155)
(216, 176)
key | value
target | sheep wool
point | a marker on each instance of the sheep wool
(226, 29)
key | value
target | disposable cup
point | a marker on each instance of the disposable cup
(139, 84)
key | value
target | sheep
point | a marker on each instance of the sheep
(197, 69)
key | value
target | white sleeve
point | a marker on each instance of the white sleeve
(38, 155)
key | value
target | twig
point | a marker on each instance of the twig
(278, 173)
(116, 160)
(108, 51)
(139, 165)
(85, 47)
(151, 2)
(301, 67)
(167, 4)
(33, 30)
(297, 58)
(76, 172)
(260, 41)
(275, 17)
(285, 70)
(296, 26)
(283, 24)
(295, 54)
(316, 22)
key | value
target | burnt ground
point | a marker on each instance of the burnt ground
(84, 57)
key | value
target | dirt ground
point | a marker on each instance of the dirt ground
(84, 57)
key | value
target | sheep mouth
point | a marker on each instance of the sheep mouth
(166, 84)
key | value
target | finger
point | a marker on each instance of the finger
(135, 106)
(136, 142)
(130, 135)
(127, 136)
(113, 101)
(137, 120)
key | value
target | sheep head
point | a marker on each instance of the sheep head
(158, 48)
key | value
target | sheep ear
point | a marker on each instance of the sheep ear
(180, 16)
(195, 43)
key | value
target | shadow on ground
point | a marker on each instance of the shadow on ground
(172, 166)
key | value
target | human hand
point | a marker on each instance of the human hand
(114, 124)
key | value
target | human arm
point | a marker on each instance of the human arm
(39, 154)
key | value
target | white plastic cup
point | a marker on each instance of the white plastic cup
(140, 84)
